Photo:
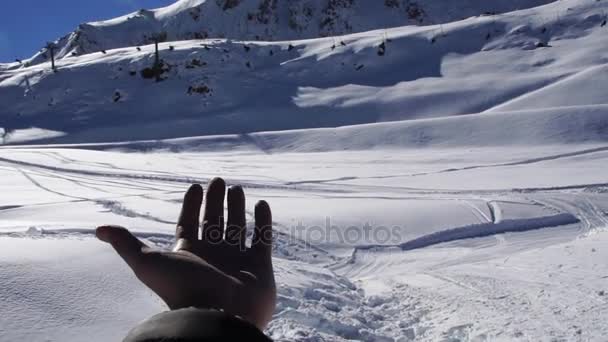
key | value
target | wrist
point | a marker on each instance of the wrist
(195, 324)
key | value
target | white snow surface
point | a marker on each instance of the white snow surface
(484, 243)
(453, 189)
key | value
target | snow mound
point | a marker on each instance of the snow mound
(482, 230)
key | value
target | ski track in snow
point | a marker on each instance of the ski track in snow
(153, 176)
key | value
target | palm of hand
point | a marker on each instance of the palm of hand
(216, 271)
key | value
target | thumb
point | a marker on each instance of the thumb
(126, 244)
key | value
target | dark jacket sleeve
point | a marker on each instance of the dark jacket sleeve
(195, 325)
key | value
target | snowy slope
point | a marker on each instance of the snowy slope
(452, 189)
(574, 125)
(267, 20)
(540, 275)
(489, 63)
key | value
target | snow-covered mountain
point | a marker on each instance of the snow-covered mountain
(268, 20)
(456, 159)
(522, 60)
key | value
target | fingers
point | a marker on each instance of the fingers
(213, 221)
(126, 245)
(188, 222)
(236, 228)
(262, 238)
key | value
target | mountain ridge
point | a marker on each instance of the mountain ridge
(545, 57)
(265, 20)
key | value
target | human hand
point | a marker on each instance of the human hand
(213, 271)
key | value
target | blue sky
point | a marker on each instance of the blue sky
(25, 25)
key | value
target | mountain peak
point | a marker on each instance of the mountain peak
(268, 20)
